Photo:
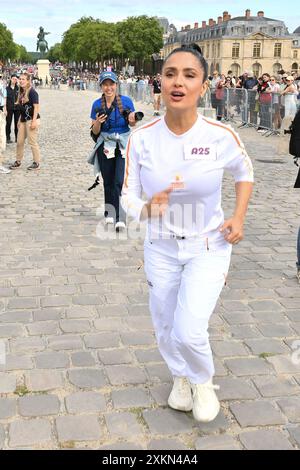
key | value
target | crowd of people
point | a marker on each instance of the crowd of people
(262, 101)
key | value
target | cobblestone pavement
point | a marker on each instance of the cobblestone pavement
(82, 368)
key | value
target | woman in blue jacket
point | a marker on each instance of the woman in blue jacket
(111, 115)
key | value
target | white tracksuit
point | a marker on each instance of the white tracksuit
(186, 256)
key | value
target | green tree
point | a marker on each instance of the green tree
(8, 49)
(72, 38)
(22, 54)
(99, 42)
(56, 54)
(91, 40)
(141, 36)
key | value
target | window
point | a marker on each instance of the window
(276, 68)
(257, 69)
(235, 50)
(219, 49)
(257, 50)
(295, 67)
(277, 49)
(236, 69)
(295, 54)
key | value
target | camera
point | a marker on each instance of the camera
(106, 112)
(138, 115)
(100, 111)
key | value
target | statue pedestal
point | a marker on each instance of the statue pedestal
(43, 69)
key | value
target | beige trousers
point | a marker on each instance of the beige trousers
(31, 134)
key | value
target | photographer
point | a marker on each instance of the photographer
(111, 115)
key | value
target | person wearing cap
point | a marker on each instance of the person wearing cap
(290, 97)
(12, 91)
(111, 129)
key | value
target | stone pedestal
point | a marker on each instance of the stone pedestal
(43, 69)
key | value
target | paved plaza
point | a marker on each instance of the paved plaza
(82, 367)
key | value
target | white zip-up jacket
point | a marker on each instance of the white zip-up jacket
(193, 164)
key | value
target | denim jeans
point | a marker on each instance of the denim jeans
(112, 171)
(298, 250)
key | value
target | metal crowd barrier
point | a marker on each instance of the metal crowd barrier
(242, 107)
(143, 92)
(267, 112)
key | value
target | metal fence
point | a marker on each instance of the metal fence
(143, 92)
(265, 112)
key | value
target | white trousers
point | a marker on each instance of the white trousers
(185, 279)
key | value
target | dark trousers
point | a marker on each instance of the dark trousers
(112, 171)
(298, 249)
(10, 115)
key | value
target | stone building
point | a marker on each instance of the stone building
(245, 42)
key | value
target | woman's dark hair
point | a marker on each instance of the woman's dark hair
(196, 51)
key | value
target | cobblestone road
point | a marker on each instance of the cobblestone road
(82, 367)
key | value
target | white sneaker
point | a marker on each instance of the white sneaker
(109, 220)
(181, 395)
(4, 170)
(206, 404)
(120, 226)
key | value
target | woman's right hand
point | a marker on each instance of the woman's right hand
(158, 205)
(101, 119)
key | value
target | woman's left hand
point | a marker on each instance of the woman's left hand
(131, 119)
(33, 125)
(233, 230)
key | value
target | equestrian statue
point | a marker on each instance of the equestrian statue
(42, 44)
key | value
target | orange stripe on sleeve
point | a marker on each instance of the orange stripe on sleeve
(227, 129)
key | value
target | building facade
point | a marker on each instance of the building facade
(242, 43)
